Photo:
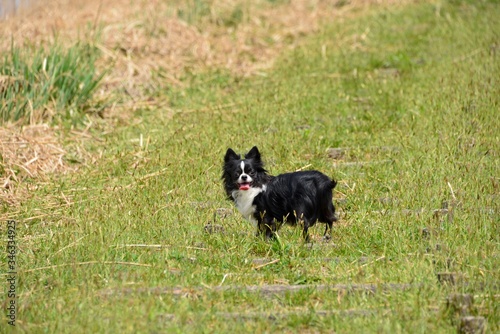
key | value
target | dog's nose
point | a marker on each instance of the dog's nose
(244, 177)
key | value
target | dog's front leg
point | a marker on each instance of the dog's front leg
(267, 226)
(261, 226)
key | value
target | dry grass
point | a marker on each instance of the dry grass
(143, 36)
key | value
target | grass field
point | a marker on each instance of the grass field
(400, 106)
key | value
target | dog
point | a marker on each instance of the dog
(268, 201)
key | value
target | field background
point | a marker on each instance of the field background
(115, 120)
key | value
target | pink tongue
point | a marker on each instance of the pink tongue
(244, 186)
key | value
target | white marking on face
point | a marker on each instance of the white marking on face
(248, 178)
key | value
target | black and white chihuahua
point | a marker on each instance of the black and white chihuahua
(269, 201)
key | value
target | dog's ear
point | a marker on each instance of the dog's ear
(231, 155)
(253, 154)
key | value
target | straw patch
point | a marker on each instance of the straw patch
(28, 152)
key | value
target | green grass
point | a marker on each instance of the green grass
(414, 97)
(43, 84)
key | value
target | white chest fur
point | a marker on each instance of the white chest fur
(244, 202)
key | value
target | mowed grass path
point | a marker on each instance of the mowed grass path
(410, 100)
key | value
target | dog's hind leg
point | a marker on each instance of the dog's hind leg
(305, 231)
(328, 231)
(329, 217)
(305, 234)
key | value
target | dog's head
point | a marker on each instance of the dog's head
(243, 174)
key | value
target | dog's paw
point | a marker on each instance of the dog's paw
(327, 238)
